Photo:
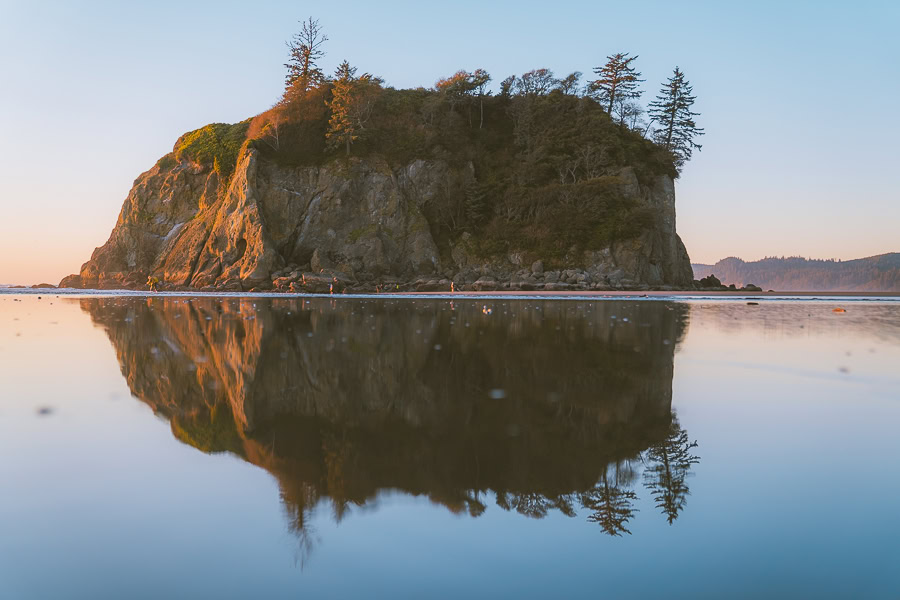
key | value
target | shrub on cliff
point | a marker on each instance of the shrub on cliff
(293, 131)
(216, 145)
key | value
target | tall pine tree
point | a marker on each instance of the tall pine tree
(616, 80)
(352, 99)
(306, 50)
(671, 111)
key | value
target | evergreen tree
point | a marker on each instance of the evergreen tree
(616, 80)
(672, 112)
(351, 104)
(306, 50)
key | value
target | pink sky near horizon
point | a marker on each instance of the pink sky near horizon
(783, 174)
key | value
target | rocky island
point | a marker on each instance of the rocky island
(347, 185)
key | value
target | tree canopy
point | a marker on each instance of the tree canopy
(617, 80)
(305, 52)
(545, 158)
(616, 89)
(352, 100)
(671, 110)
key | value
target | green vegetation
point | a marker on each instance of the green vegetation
(167, 162)
(305, 51)
(672, 111)
(539, 170)
(617, 81)
(539, 164)
(217, 145)
(352, 101)
(360, 232)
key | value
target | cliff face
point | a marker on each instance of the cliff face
(357, 225)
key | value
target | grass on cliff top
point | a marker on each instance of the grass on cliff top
(216, 145)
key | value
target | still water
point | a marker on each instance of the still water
(174, 447)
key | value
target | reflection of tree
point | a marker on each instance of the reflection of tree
(535, 504)
(671, 461)
(474, 504)
(336, 451)
(299, 523)
(564, 504)
(611, 505)
(530, 504)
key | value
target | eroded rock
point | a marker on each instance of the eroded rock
(363, 221)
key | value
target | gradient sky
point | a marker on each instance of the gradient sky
(800, 157)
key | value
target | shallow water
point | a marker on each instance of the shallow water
(281, 447)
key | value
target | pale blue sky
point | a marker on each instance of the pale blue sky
(801, 153)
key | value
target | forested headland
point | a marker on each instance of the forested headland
(796, 274)
(485, 179)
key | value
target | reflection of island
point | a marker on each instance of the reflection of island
(544, 406)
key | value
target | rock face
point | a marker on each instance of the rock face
(354, 226)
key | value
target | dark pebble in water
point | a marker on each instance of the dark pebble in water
(44, 411)
(753, 304)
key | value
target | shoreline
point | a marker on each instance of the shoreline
(473, 295)
(658, 293)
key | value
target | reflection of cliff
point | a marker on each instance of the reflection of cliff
(536, 403)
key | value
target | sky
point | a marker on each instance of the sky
(800, 155)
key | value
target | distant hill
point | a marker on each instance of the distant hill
(795, 274)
